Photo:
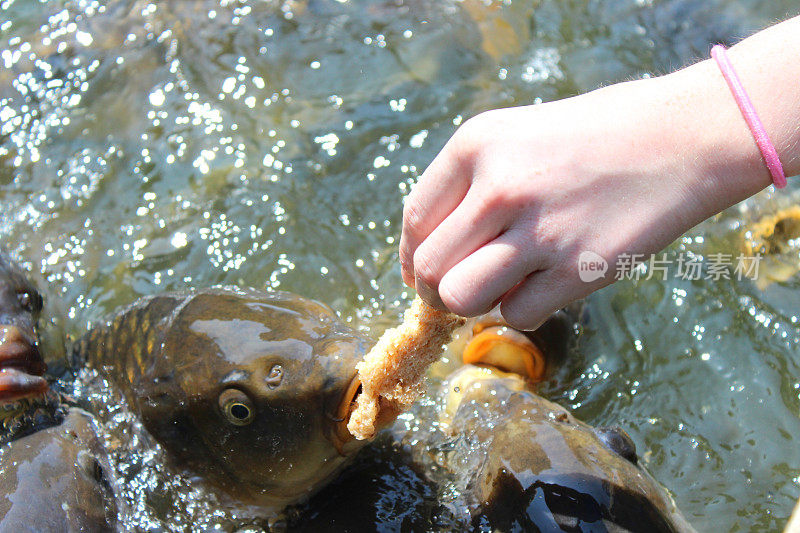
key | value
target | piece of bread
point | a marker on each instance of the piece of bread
(391, 373)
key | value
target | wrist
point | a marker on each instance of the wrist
(679, 149)
(723, 162)
(726, 152)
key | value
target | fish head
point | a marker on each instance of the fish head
(540, 467)
(265, 381)
(21, 364)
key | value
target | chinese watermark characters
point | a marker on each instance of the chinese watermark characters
(690, 267)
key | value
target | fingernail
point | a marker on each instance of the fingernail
(487, 311)
(407, 273)
(429, 294)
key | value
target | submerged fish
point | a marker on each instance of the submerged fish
(540, 467)
(55, 480)
(52, 464)
(499, 456)
(532, 464)
(249, 389)
(26, 403)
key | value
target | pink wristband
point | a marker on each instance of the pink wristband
(768, 151)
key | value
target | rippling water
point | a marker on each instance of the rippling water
(151, 146)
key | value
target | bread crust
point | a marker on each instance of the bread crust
(392, 372)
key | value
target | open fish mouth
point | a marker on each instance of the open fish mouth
(508, 350)
(341, 435)
(387, 414)
(21, 365)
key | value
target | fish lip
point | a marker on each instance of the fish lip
(16, 384)
(340, 435)
(532, 363)
(17, 351)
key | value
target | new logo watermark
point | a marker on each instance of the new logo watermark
(591, 266)
(715, 266)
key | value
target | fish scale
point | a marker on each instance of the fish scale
(127, 341)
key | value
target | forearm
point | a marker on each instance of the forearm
(507, 207)
(725, 158)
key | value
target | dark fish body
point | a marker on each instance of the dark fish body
(541, 469)
(55, 480)
(500, 458)
(241, 386)
(52, 464)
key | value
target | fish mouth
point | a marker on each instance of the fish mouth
(341, 435)
(508, 350)
(21, 365)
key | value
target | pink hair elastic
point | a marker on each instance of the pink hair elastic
(768, 151)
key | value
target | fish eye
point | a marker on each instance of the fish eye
(237, 407)
(30, 301)
(618, 441)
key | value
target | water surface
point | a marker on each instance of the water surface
(147, 147)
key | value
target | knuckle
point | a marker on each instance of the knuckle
(471, 136)
(425, 267)
(489, 200)
(547, 236)
(519, 201)
(499, 199)
(487, 204)
(413, 218)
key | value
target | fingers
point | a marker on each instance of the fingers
(476, 284)
(540, 295)
(470, 226)
(439, 191)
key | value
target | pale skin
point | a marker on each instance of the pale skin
(503, 212)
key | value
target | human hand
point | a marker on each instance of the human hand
(504, 211)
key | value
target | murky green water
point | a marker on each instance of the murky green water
(146, 147)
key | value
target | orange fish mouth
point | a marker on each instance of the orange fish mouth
(341, 435)
(387, 414)
(508, 350)
(21, 366)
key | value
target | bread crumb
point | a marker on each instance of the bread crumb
(391, 373)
